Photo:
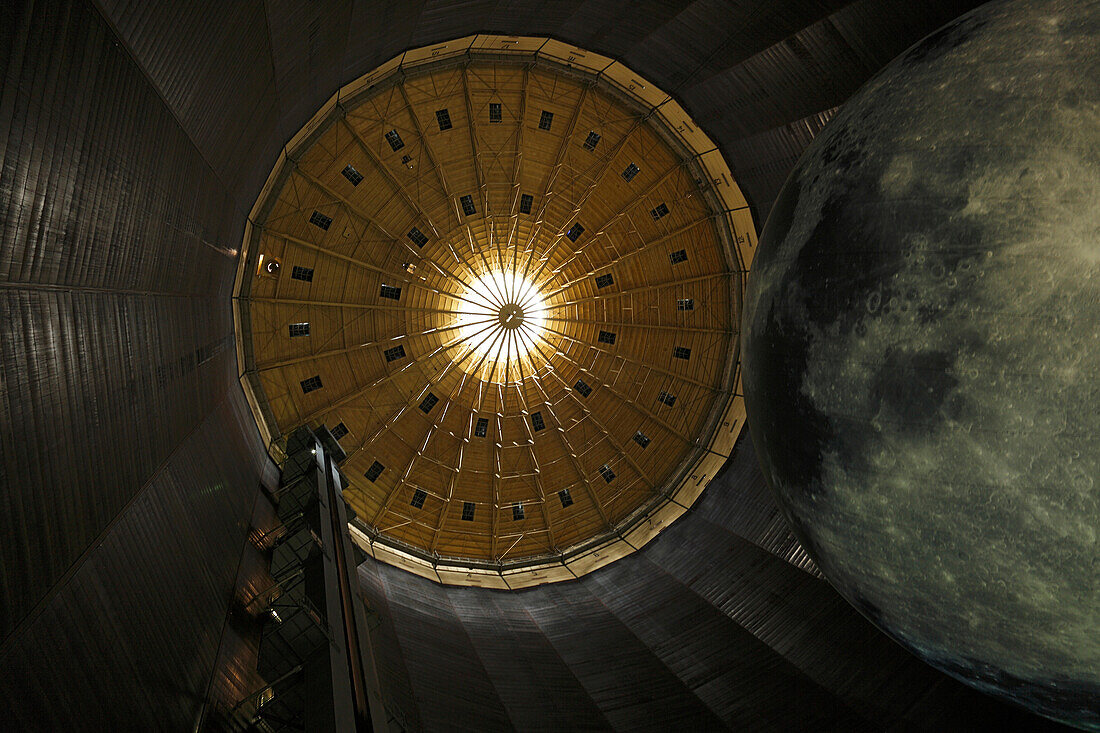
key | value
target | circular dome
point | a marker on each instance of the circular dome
(510, 284)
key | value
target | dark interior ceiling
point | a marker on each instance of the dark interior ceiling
(135, 137)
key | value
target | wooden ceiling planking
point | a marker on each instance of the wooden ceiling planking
(442, 190)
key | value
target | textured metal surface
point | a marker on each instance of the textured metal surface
(397, 694)
(132, 633)
(235, 674)
(432, 637)
(701, 629)
(536, 686)
(129, 461)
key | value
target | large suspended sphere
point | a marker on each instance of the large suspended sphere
(922, 352)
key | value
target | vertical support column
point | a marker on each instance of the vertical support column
(317, 643)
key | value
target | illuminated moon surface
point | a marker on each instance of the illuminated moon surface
(922, 352)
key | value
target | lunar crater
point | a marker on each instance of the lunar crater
(920, 358)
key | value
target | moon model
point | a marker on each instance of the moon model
(922, 352)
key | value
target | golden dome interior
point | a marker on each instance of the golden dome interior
(506, 274)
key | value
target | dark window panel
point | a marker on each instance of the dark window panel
(517, 512)
(629, 173)
(418, 237)
(660, 212)
(467, 511)
(495, 112)
(305, 274)
(607, 473)
(525, 202)
(397, 352)
(641, 439)
(428, 403)
(393, 137)
(583, 388)
(606, 337)
(418, 498)
(339, 431)
(391, 292)
(602, 281)
(678, 256)
(311, 384)
(299, 329)
(468, 207)
(591, 141)
(565, 497)
(682, 352)
(685, 304)
(537, 421)
(443, 117)
(319, 220)
(482, 427)
(546, 120)
(374, 471)
(575, 232)
(352, 175)
(666, 398)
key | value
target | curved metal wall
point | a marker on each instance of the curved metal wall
(130, 463)
(135, 137)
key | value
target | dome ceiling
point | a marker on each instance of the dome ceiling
(506, 274)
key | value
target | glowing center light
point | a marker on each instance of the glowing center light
(501, 318)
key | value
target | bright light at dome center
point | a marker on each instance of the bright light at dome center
(502, 317)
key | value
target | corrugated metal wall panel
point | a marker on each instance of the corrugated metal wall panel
(100, 187)
(381, 29)
(312, 39)
(393, 677)
(132, 635)
(128, 459)
(537, 688)
(729, 32)
(630, 684)
(212, 63)
(739, 501)
(767, 158)
(115, 342)
(744, 681)
(235, 675)
(452, 689)
(100, 389)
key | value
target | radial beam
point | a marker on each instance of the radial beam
(572, 454)
(568, 389)
(643, 248)
(679, 377)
